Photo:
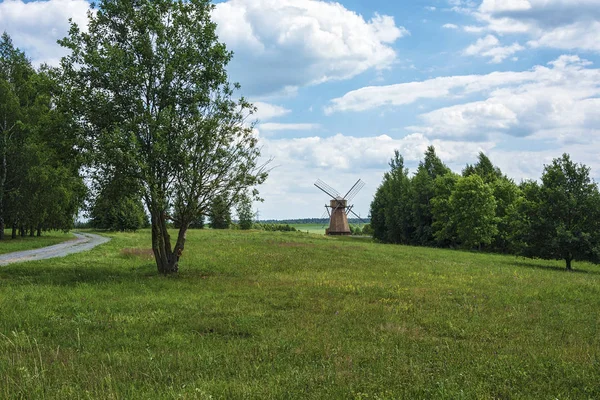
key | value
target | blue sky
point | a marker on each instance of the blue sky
(340, 85)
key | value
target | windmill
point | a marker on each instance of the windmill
(338, 208)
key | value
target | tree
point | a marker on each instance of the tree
(40, 184)
(473, 211)
(220, 213)
(566, 223)
(149, 82)
(390, 208)
(15, 73)
(245, 213)
(118, 206)
(444, 225)
(423, 192)
(484, 168)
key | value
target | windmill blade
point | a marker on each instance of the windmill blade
(354, 190)
(349, 209)
(358, 216)
(326, 213)
(327, 189)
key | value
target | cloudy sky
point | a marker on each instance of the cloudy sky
(340, 85)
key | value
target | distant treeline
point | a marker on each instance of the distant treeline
(483, 209)
(310, 221)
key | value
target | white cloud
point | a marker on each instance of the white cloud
(580, 35)
(287, 44)
(560, 24)
(504, 5)
(442, 87)
(267, 111)
(36, 26)
(559, 105)
(489, 46)
(450, 26)
(272, 126)
(473, 29)
(556, 103)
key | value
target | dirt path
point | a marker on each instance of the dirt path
(82, 242)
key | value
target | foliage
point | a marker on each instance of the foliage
(274, 227)
(422, 193)
(367, 229)
(245, 213)
(118, 206)
(149, 84)
(40, 184)
(473, 212)
(566, 218)
(486, 210)
(444, 224)
(220, 213)
(390, 220)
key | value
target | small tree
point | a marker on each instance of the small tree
(473, 211)
(567, 220)
(245, 213)
(220, 213)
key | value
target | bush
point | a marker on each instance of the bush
(275, 227)
(367, 230)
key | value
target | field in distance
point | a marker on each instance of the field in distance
(284, 315)
(317, 228)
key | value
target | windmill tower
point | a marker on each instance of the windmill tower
(338, 208)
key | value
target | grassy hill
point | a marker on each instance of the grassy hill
(294, 315)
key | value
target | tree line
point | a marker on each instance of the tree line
(483, 209)
(40, 183)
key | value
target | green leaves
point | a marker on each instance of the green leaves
(473, 211)
(149, 84)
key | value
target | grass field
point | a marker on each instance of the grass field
(293, 315)
(9, 245)
(315, 228)
(311, 228)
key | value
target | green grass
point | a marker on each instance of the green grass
(315, 228)
(290, 315)
(9, 245)
(311, 228)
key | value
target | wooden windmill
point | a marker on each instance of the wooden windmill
(338, 208)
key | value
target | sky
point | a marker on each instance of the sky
(340, 85)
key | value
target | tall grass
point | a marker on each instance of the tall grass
(291, 315)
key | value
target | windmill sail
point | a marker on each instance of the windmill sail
(338, 217)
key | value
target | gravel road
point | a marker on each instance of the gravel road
(82, 242)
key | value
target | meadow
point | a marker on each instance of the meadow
(284, 315)
(19, 243)
(317, 228)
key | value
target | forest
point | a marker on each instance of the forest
(41, 187)
(483, 209)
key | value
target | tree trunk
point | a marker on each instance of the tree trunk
(179, 246)
(167, 259)
(161, 243)
(22, 231)
(568, 260)
(39, 231)
(14, 231)
(31, 232)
